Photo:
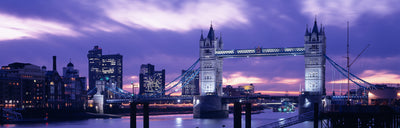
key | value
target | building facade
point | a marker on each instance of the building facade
(22, 86)
(152, 83)
(192, 86)
(104, 67)
(75, 87)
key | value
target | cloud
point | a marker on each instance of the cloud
(239, 79)
(13, 27)
(338, 12)
(101, 26)
(376, 77)
(291, 81)
(180, 17)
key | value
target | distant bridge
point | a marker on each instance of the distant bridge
(225, 99)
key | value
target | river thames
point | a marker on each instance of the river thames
(166, 121)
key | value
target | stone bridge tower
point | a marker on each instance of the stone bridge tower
(315, 49)
(208, 104)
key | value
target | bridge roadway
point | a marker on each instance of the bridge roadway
(225, 99)
(258, 52)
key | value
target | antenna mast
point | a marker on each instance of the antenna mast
(348, 66)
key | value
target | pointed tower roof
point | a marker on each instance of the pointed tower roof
(307, 32)
(201, 37)
(70, 64)
(315, 27)
(220, 39)
(211, 34)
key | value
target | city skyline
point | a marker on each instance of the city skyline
(166, 34)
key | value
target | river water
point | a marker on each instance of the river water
(165, 121)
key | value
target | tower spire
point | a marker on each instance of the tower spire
(315, 27)
(307, 32)
(201, 37)
(220, 43)
(211, 34)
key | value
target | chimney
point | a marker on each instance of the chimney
(54, 63)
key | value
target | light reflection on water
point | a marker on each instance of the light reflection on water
(161, 121)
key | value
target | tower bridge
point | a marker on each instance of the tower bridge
(211, 63)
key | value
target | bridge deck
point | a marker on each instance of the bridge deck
(258, 52)
(226, 99)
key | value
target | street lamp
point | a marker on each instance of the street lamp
(133, 89)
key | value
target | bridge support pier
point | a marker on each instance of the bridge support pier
(133, 115)
(99, 103)
(248, 115)
(316, 111)
(307, 101)
(1, 117)
(237, 115)
(146, 121)
(209, 106)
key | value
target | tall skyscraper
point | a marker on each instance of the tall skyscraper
(152, 83)
(95, 72)
(104, 67)
(192, 86)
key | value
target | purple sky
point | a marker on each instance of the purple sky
(166, 34)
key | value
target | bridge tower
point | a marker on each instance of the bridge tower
(315, 48)
(208, 104)
(98, 98)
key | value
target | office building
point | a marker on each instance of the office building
(104, 67)
(192, 85)
(152, 83)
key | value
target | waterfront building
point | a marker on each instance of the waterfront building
(152, 83)
(75, 87)
(21, 86)
(239, 91)
(104, 67)
(55, 88)
(247, 89)
(192, 86)
(231, 91)
(26, 86)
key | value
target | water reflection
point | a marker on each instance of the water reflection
(178, 121)
(162, 121)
